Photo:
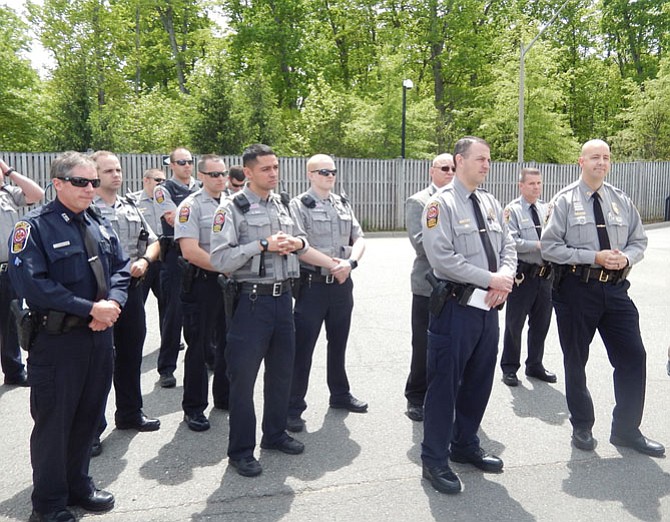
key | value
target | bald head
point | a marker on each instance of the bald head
(593, 144)
(318, 159)
(442, 170)
(595, 162)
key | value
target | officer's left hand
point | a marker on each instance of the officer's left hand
(139, 267)
(97, 326)
(341, 270)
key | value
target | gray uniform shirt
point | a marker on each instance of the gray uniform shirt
(520, 222)
(570, 236)
(11, 199)
(413, 210)
(163, 199)
(235, 247)
(127, 221)
(451, 238)
(330, 225)
(194, 218)
(146, 205)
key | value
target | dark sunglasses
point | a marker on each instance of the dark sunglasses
(157, 180)
(215, 174)
(446, 168)
(80, 182)
(237, 185)
(325, 172)
(184, 162)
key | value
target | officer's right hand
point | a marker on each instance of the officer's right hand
(106, 312)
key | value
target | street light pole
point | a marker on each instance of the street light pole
(406, 85)
(524, 50)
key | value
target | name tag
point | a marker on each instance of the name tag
(61, 244)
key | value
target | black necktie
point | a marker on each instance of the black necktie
(486, 241)
(603, 238)
(536, 220)
(91, 243)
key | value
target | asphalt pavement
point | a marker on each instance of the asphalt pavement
(366, 467)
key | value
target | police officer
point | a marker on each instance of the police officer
(531, 296)
(253, 241)
(441, 173)
(66, 261)
(325, 296)
(167, 196)
(473, 258)
(594, 236)
(202, 300)
(144, 199)
(141, 245)
(236, 179)
(24, 192)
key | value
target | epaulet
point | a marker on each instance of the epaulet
(241, 202)
(482, 189)
(131, 198)
(343, 197)
(308, 201)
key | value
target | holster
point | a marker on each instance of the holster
(439, 295)
(165, 244)
(230, 291)
(296, 286)
(559, 272)
(26, 324)
(187, 275)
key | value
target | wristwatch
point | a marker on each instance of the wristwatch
(9, 171)
(264, 244)
(353, 263)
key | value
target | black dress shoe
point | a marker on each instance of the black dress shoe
(167, 380)
(414, 412)
(196, 422)
(582, 439)
(247, 467)
(54, 516)
(96, 448)
(640, 444)
(541, 374)
(18, 380)
(144, 423)
(443, 479)
(97, 501)
(510, 379)
(286, 445)
(295, 424)
(479, 459)
(350, 403)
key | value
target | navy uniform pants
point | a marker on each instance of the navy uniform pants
(70, 376)
(203, 314)
(261, 331)
(415, 388)
(10, 352)
(319, 303)
(151, 282)
(129, 333)
(531, 299)
(581, 309)
(170, 277)
(462, 353)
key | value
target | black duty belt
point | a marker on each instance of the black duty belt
(201, 273)
(314, 277)
(3, 267)
(273, 289)
(532, 270)
(57, 323)
(588, 273)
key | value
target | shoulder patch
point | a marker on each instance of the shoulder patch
(20, 236)
(219, 220)
(432, 213)
(159, 195)
(184, 213)
(506, 214)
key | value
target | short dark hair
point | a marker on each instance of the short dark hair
(528, 171)
(64, 164)
(252, 152)
(463, 145)
(205, 158)
(236, 172)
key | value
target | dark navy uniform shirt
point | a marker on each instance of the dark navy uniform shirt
(48, 263)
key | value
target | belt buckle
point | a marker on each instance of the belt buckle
(276, 289)
(329, 279)
(3, 267)
(603, 277)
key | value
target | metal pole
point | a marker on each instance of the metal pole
(402, 132)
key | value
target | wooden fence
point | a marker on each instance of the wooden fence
(378, 188)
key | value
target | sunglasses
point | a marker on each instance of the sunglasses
(446, 168)
(80, 182)
(215, 174)
(181, 163)
(157, 180)
(237, 185)
(325, 172)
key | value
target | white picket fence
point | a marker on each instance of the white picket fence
(378, 189)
